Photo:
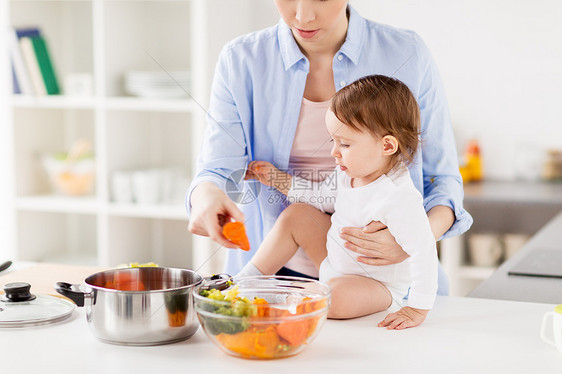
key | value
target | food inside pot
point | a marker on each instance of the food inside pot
(142, 279)
(125, 282)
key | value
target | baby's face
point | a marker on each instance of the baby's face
(358, 153)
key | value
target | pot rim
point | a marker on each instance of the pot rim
(88, 280)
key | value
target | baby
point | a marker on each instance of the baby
(374, 125)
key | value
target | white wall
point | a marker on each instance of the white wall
(501, 62)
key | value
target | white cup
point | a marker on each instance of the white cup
(121, 187)
(174, 185)
(146, 186)
(514, 242)
(556, 328)
(485, 249)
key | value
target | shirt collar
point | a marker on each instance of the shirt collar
(355, 35)
(291, 53)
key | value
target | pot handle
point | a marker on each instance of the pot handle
(72, 291)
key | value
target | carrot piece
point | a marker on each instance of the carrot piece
(294, 332)
(262, 307)
(252, 342)
(125, 281)
(177, 319)
(236, 233)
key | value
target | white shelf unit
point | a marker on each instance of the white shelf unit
(106, 38)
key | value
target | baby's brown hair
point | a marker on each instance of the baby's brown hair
(383, 106)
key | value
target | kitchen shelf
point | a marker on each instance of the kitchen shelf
(58, 204)
(105, 39)
(56, 235)
(148, 105)
(157, 211)
(54, 102)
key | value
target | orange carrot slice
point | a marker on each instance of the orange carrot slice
(236, 233)
(294, 332)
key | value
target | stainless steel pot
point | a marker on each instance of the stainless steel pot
(139, 306)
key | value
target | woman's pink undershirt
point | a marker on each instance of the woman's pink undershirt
(310, 159)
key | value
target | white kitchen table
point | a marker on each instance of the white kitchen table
(461, 335)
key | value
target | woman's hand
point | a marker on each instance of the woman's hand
(404, 318)
(375, 243)
(210, 209)
(268, 174)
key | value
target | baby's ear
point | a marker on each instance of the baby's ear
(389, 145)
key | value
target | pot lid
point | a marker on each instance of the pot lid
(19, 308)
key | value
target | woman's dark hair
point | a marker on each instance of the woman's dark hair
(383, 106)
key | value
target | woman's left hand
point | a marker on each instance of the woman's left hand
(375, 243)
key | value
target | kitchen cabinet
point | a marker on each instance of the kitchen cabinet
(536, 289)
(499, 209)
(104, 39)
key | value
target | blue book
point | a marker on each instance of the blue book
(30, 32)
(15, 83)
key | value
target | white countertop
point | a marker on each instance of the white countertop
(461, 335)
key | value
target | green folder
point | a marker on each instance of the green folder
(45, 65)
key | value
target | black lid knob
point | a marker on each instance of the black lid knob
(18, 291)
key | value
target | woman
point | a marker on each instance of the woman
(269, 97)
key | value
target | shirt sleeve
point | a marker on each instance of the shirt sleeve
(442, 182)
(321, 195)
(407, 221)
(224, 150)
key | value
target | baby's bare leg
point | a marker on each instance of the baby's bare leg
(300, 225)
(356, 296)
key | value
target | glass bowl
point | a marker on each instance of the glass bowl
(70, 178)
(263, 317)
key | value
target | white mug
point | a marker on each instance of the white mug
(146, 186)
(485, 249)
(121, 187)
(556, 327)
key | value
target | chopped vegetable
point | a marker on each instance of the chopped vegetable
(294, 332)
(236, 233)
(144, 265)
(177, 319)
(125, 281)
(253, 342)
(238, 307)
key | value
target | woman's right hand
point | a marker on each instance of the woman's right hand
(210, 209)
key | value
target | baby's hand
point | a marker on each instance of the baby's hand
(404, 318)
(263, 171)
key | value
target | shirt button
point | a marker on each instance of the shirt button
(340, 57)
(342, 83)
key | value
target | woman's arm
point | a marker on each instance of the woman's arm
(441, 218)
(224, 151)
(377, 245)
